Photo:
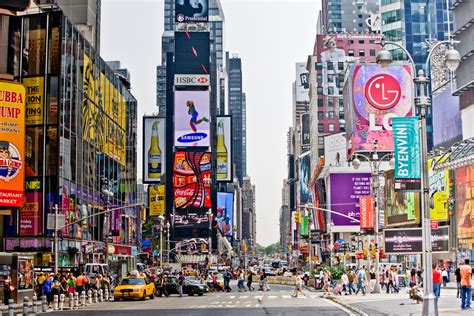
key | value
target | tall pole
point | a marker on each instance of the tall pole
(56, 240)
(161, 245)
(430, 306)
(376, 187)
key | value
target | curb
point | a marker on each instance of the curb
(348, 306)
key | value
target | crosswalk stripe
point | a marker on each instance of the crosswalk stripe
(272, 296)
(232, 297)
(286, 296)
(244, 296)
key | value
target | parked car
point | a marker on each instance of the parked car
(133, 287)
(190, 287)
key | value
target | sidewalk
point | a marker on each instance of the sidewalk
(400, 304)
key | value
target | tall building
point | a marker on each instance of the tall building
(237, 108)
(249, 218)
(81, 146)
(348, 16)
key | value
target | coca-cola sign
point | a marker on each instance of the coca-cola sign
(192, 179)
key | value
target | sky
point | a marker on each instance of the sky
(270, 36)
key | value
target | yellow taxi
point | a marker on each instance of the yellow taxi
(134, 287)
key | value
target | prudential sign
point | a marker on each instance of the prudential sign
(406, 136)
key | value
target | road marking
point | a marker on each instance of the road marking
(272, 296)
(231, 306)
(203, 306)
(248, 305)
(259, 297)
(244, 296)
(232, 297)
(286, 296)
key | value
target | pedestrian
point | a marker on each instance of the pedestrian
(64, 286)
(345, 282)
(81, 283)
(180, 283)
(436, 281)
(351, 276)
(361, 277)
(372, 280)
(298, 285)
(412, 281)
(445, 276)
(327, 282)
(249, 281)
(227, 277)
(466, 289)
(7, 289)
(47, 286)
(105, 283)
(457, 273)
(261, 282)
(56, 287)
(240, 281)
(39, 281)
(71, 284)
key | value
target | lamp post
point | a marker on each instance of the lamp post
(168, 240)
(422, 101)
(374, 164)
(161, 218)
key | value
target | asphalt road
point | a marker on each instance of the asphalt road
(278, 301)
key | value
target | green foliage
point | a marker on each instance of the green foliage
(336, 273)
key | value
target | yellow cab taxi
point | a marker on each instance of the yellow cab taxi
(134, 287)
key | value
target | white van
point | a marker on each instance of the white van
(91, 269)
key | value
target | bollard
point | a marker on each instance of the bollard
(34, 308)
(76, 300)
(101, 295)
(71, 301)
(55, 302)
(11, 311)
(83, 298)
(44, 303)
(95, 296)
(30, 308)
(26, 303)
(62, 297)
(89, 296)
(106, 295)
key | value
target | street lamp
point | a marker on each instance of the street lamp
(168, 239)
(422, 100)
(161, 218)
(374, 164)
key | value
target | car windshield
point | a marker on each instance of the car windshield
(136, 281)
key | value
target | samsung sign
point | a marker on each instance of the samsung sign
(191, 80)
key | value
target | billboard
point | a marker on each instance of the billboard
(374, 96)
(400, 207)
(225, 213)
(345, 191)
(31, 215)
(439, 191)
(34, 100)
(302, 83)
(191, 220)
(192, 51)
(192, 80)
(465, 206)
(156, 199)
(192, 179)
(154, 147)
(304, 175)
(12, 144)
(335, 150)
(410, 240)
(191, 119)
(366, 212)
(305, 131)
(406, 137)
(447, 124)
(194, 11)
(224, 149)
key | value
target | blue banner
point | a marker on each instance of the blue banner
(406, 137)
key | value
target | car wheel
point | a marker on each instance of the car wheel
(200, 294)
(152, 296)
(191, 292)
(144, 295)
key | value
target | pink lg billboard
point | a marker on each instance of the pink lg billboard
(373, 96)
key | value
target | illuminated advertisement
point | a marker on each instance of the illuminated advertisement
(34, 100)
(465, 206)
(192, 53)
(192, 11)
(31, 212)
(154, 149)
(447, 123)
(12, 144)
(225, 213)
(305, 131)
(191, 119)
(192, 179)
(439, 191)
(224, 149)
(304, 175)
(156, 199)
(345, 191)
(335, 150)
(191, 220)
(400, 207)
(374, 96)
(25, 274)
(410, 240)
(302, 83)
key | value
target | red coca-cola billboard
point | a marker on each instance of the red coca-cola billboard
(192, 179)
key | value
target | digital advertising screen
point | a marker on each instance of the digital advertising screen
(192, 51)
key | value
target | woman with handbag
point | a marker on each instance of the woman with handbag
(7, 289)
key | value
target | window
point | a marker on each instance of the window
(361, 41)
(351, 41)
(361, 53)
(341, 115)
(330, 103)
(342, 127)
(331, 127)
(330, 78)
(350, 52)
(330, 65)
(331, 90)
(372, 52)
(319, 66)
(340, 65)
(321, 152)
(321, 141)
(320, 103)
(371, 41)
(331, 115)
(320, 90)
(319, 78)
(320, 127)
(320, 115)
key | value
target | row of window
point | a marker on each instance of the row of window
(330, 115)
(330, 128)
(339, 102)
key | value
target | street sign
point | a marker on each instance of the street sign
(315, 235)
(434, 224)
(61, 221)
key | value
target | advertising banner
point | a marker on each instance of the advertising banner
(366, 212)
(304, 231)
(12, 144)
(335, 150)
(225, 213)
(375, 95)
(410, 240)
(406, 136)
(346, 189)
(302, 83)
(439, 191)
(34, 100)
(192, 51)
(305, 131)
(154, 149)
(192, 179)
(447, 121)
(465, 206)
(400, 207)
(224, 149)
(31, 212)
(192, 11)
(192, 119)
(156, 199)
(304, 175)
(192, 80)
(191, 220)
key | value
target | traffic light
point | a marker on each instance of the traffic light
(143, 214)
(298, 217)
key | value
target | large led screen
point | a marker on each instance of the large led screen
(192, 53)
(225, 213)
(191, 119)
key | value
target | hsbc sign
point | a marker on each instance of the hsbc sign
(191, 80)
